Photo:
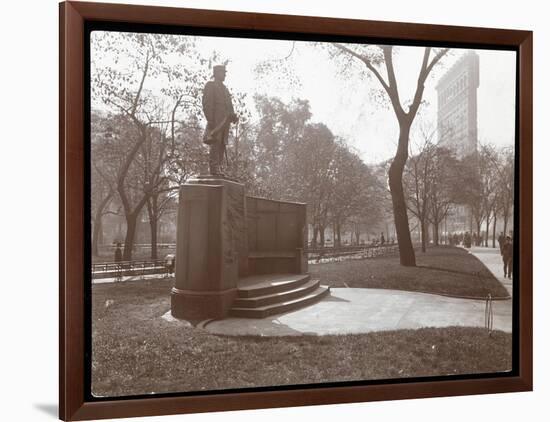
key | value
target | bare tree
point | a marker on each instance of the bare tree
(103, 189)
(418, 181)
(375, 59)
(123, 89)
(445, 176)
(503, 162)
(489, 182)
(506, 185)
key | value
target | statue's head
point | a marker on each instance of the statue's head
(219, 72)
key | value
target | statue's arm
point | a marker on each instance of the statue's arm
(232, 114)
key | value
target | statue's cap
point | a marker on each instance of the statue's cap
(219, 67)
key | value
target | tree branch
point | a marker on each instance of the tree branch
(143, 76)
(425, 70)
(367, 63)
(393, 91)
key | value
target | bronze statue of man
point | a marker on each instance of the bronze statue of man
(218, 110)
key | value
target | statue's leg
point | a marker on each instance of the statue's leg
(213, 165)
(216, 157)
(222, 157)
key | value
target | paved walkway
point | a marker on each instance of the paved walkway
(348, 311)
(493, 261)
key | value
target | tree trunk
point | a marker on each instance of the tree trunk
(505, 217)
(322, 236)
(314, 239)
(436, 234)
(153, 214)
(487, 227)
(406, 251)
(423, 235)
(446, 231)
(494, 228)
(131, 224)
(96, 235)
(478, 227)
(98, 224)
(154, 232)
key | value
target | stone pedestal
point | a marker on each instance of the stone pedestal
(211, 250)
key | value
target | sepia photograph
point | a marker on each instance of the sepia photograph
(293, 212)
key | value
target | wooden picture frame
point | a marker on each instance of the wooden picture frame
(74, 405)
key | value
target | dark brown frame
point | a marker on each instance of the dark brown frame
(73, 15)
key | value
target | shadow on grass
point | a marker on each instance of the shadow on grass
(441, 270)
(479, 274)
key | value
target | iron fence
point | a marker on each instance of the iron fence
(129, 268)
(140, 268)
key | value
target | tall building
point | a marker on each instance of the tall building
(457, 123)
(457, 105)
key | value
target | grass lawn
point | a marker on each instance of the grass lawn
(135, 351)
(442, 270)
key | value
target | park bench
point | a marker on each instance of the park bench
(285, 261)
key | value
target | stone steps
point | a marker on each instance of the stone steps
(262, 285)
(284, 296)
(262, 296)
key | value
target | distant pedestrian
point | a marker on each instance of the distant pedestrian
(118, 253)
(467, 240)
(501, 241)
(382, 239)
(508, 257)
(170, 263)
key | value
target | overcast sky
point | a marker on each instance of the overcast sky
(345, 102)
